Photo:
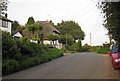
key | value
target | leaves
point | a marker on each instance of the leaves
(30, 21)
(72, 28)
(53, 37)
(34, 28)
(3, 6)
(112, 15)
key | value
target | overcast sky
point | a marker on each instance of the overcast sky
(84, 12)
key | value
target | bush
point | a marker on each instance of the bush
(25, 48)
(103, 50)
(73, 51)
(22, 54)
(9, 47)
(83, 49)
(9, 66)
(24, 39)
(55, 51)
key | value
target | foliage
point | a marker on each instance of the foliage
(35, 29)
(20, 28)
(30, 21)
(52, 23)
(53, 37)
(3, 7)
(22, 54)
(79, 44)
(73, 47)
(71, 28)
(9, 66)
(73, 51)
(103, 50)
(94, 48)
(36, 39)
(112, 18)
(66, 39)
(69, 39)
(15, 24)
(24, 39)
(9, 48)
(62, 39)
(55, 51)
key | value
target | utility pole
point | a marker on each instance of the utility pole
(90, 40)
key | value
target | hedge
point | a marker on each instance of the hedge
(18, 54)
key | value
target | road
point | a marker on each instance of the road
(72, 66)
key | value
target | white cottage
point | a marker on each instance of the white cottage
(5, 24)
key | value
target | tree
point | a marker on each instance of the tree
(66, 39)
(72, 28)
(112, 18)
(30, 21)
(79, 44)
(15, 25)
(34, 28)
(38, 30)
(31, 29)
(3, 7)
(51, 22)
(53, 38)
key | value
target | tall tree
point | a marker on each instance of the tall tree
(66, 39)
(3, 7)
(30, 21)
(72, 28)
(34, 29)
(112, 16)
(15, 25)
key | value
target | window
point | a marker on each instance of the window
(0, 22)
(4, 24)
(114, 49)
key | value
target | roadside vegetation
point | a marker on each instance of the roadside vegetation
(21, 54)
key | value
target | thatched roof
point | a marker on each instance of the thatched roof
(47, 29)
(26, 33)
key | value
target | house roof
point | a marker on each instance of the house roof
(26, 33)
(6, 19)
(47, 29)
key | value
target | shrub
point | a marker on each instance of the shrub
(73, 51)
(25, 48)
(103, 50)
(55, 51)
(24, 39)
(22, 54)
(9, 47)
(9, 66)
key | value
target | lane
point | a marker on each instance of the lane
(73, 66)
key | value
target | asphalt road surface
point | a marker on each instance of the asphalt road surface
(72, 66)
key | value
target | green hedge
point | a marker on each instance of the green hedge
(103, 50)
(18, 54)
